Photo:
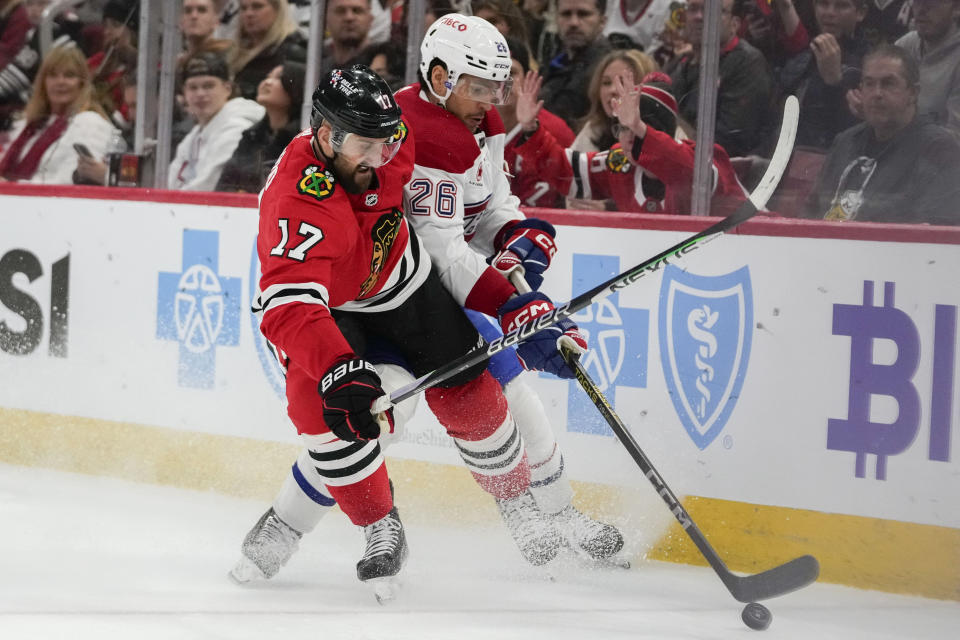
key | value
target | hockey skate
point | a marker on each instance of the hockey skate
(587, 537)
(384, 556)
(266, 548)
(537, 538)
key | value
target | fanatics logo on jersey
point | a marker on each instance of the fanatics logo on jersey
(617, 161)
(316, 182)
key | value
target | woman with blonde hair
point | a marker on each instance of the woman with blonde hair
(596, 132)
(61, 113)
(266, 37)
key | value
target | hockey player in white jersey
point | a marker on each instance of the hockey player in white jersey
(460, 204)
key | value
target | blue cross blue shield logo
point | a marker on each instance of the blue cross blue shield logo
(198, 308)
(618, 344)
(706, 325)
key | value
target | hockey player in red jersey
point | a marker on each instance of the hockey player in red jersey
(647, 171)
(340, 269)
(460, 204)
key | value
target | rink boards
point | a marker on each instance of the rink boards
(796, 380)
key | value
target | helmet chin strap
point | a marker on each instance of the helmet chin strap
(318, 150)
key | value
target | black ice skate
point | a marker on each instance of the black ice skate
(384, 557)
(537, 538)
(266, 548)
(586, 536)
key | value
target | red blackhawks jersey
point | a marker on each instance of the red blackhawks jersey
(459, 198)
(532, 188)
(321, 248)
(662, 186)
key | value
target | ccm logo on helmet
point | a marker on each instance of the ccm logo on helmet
(456, 24)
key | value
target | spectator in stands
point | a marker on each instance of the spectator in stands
(636, 24)
(14, 24)
(822, 75)
(121, 20)
(744, 91)
(348, 22)
(199, 20)
(93, 170)
(886, 20)
(387, 60)
(16, 77)
(221, 121)
(281, 94)
(541, 31)
(775, 28)
(648, 170)
(896, 166)
(936, 44)
(526, 184)
(566, 77)
(61, 113)
(505, 16)
(266, 38)
(596, 132)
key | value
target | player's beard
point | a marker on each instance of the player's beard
(355, 179)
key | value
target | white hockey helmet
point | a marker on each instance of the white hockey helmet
(467, 45)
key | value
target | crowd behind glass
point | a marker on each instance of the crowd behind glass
(877, 80)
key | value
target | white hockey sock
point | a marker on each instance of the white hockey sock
(548, 482)
(303, 499)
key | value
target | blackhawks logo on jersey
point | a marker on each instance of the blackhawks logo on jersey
(383, 234)
(617, 161)
(316, 182)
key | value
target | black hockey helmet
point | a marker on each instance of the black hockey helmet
(355, 100)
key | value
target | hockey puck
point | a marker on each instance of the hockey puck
(756, 616)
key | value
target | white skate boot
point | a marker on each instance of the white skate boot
(586, 536)
(266, 548)
(384, 556)
(537, 538)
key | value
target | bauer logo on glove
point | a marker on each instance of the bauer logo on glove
(349, 389)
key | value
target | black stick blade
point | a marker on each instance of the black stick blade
(774, 582)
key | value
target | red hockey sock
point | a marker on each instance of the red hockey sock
(475, 415)
(366, 501)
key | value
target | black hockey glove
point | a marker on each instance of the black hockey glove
(349, 388)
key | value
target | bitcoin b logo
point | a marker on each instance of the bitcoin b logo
(859, 433)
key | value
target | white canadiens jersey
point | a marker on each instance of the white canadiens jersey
(459, 196)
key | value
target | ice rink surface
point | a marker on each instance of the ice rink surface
(86, 557)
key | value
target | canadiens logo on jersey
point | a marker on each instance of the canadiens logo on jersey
(316, 182)
(617, 161)
(383, 234)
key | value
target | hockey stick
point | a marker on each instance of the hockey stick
(756, 201)
(793, 575)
